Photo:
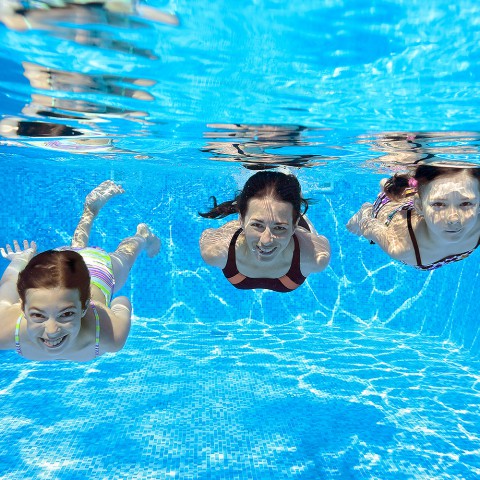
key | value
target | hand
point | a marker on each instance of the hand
(26, 253)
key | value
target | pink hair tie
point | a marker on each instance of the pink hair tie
(412, 182)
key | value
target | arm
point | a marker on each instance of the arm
(373, 229)
(116, 333)
(18, 261)
(315, 251)
(214, 243)
(310, 224)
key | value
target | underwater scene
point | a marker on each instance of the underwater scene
(238, 240)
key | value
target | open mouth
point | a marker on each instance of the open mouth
(54, 343)
(265, 252)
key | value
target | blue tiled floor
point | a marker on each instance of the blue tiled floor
(253, 403)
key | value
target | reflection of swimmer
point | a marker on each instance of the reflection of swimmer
(73, 83)
(57, 305)
(426, 220)
(251, 145)
(272, 245)
(63, 137)
(56, 80)
(402, 150)
(22, 15)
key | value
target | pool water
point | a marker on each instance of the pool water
(370, 369)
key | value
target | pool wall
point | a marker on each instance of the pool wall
(361, 286)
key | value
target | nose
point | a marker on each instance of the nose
(452, 216)
(266, 237)
(51, 327)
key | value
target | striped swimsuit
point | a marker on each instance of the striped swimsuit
(99, 265)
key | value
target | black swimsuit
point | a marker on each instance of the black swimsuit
(290, 281)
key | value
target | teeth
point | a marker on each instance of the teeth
(53, 343)
(266, 252)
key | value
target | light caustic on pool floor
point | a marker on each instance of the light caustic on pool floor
(256, 403)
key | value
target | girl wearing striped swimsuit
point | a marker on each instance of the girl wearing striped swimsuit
(58, 305)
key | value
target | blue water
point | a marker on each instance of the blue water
(370, 369)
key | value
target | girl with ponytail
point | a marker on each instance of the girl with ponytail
(425, 219)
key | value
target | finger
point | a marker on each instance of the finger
(25, 245)
(33, 245)
(3, 252)
(9, 248)
(17, 246)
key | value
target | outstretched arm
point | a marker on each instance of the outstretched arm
(214, 243)
(19, 259)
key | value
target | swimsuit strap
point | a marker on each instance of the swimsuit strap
(418, 258)
(294, 277)
(231, 269)
(17, 335)
(97, 330)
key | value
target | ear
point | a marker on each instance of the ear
(417, 203)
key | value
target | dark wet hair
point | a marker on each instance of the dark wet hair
(54, 268)
(279, 185)
(395, 186)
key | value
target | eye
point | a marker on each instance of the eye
(38, 317)
(280, 228)
(467, 204)
(67, 314)
(437, 204)
(256, 225)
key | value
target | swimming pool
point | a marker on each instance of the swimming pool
(370, 369)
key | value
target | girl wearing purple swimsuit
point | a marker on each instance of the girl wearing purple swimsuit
(272, 245)
(427, 219)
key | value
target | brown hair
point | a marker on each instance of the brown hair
(395, 186)
(281, 186)
(56, 268)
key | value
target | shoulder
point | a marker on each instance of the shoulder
(114, 324)
(8, 320)
(314, 251)
(214, 243)
(396, 241)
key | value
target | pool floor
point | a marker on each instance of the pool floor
(248, 401)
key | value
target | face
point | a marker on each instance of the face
(53, 318)
(450, 205)
(268, 227)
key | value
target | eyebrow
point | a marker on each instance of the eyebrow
(70, 307)
(462, 197)
(263, 221)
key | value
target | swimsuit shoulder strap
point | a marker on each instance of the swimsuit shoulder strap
(294, 273)
(17, 335)
(418, 258)
(97, 330)
(231, 267)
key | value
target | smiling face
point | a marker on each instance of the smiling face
(450, 205)
(268, 227)
(54, 318)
